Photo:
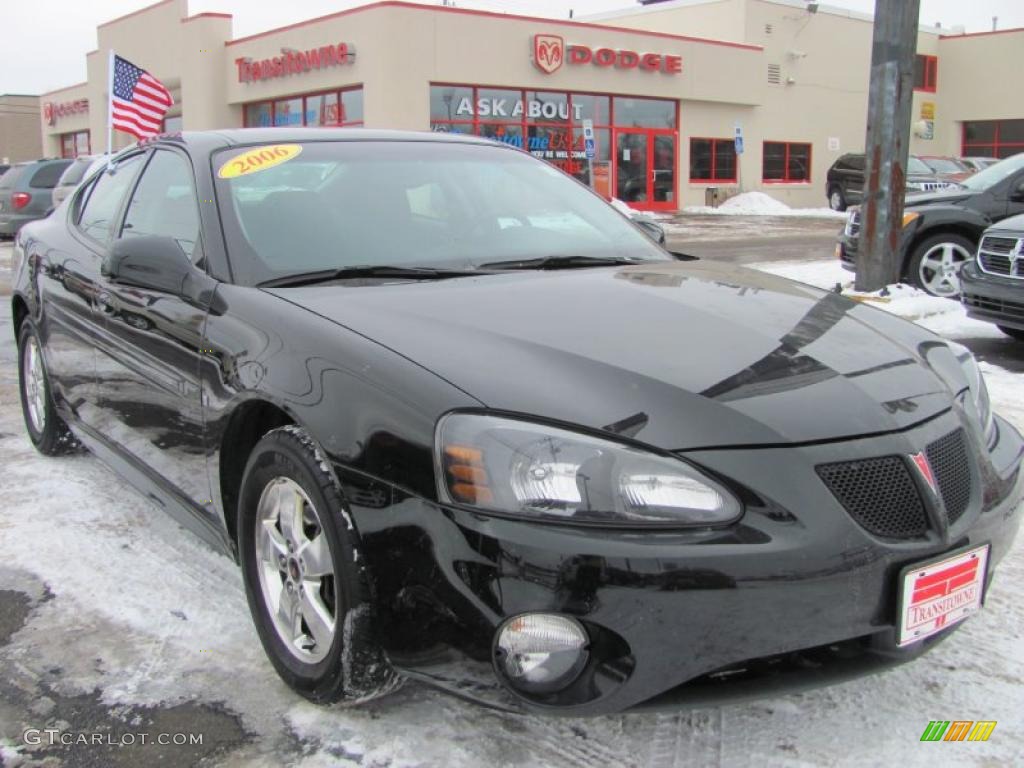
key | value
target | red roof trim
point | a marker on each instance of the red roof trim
(981, 34)
(493, 14)
(134, 13)
(208, 16)
(65, 88)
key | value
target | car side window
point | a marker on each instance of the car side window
(164, 202)
(103, 199)
(46, 177)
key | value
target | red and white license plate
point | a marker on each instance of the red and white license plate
(939, 594)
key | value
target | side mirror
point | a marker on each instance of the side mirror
(652, 230)
(148, 261)
(1017, 192)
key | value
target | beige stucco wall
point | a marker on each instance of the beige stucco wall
(19, 137)
(981, 77)
(425, 45)
(49, 135)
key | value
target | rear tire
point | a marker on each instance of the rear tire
(307, 589)
(836, 199)
(1013, 333)
(935, 264)
(47, 430)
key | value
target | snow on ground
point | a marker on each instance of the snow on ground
(760, 204)
(137, 611)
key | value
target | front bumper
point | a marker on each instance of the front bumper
(846, 251)
(795, 594)
(993, 298)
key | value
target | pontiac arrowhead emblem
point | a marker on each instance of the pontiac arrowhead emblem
(924, 467)
(548, 52)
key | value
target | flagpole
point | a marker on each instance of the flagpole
(110, 107)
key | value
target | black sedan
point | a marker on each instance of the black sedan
(462, 422)
(941, 229)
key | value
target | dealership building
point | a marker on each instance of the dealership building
(672, 89)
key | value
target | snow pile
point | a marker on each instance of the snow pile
(760, 204)
(943, 316)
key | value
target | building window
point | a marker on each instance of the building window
(74, 144)
(786, 162)
(993, 138)
(926, 73)
(713, 160)
(548, 124)
(323, 109)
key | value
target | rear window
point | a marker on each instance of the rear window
(11, 176)
(47, 176)
(75, 172)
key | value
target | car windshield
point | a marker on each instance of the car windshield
(992, 175)
(329, 205)
(916, 166)
(944, 165)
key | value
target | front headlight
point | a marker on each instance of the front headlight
(531, 470)
(915, 186)
(978, 397)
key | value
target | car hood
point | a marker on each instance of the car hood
(953, 196)
(679, 355)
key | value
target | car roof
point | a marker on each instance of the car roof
(200, 142)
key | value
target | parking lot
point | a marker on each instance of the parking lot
(114, 620)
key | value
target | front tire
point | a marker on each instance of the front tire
(936, 262)
(836, 200)
(1013, 333)
(46, 429)
(308, 593)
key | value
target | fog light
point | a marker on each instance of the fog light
(541, 652)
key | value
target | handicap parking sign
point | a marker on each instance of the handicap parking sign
(588, 145)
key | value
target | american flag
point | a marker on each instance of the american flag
(140, 101)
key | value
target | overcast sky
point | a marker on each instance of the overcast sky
(45, 41)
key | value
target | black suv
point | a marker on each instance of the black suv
(26, 193)
(941, 230)
(993, 286)
(844, 183)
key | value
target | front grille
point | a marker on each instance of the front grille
(952, 468)
(879, 494)
(1009, 309)
(998, 256)
(853, 224)
(935, 186)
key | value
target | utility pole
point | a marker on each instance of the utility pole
(887, 143)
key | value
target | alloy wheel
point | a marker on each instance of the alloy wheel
(35, 384)
(940, 269)
(296, 572)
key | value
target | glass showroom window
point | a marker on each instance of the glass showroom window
(548, 124)
(786, 162)
(325, 109)
(993, 138)
(713, 160)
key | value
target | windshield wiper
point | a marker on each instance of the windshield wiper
(560, 262)
(366, 270)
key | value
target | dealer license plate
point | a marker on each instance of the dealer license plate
(941, 593)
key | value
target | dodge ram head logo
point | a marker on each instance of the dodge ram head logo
(548, 52)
